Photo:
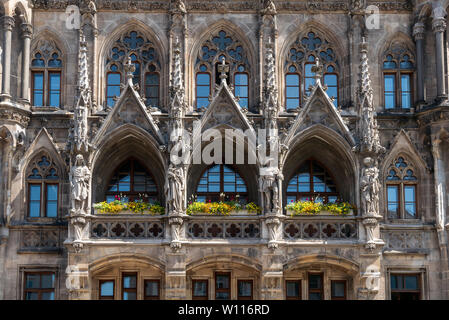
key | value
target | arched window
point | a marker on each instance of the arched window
(401, 190)
(145, 58)
(46, 75)
(131, 182)
(300, 60)
(312, 182)
(43, 187)
(219, 45)
(398, 68)
(221, 179)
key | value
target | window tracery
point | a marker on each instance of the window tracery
(222, 44)
(145, 58)
(131, 182)
(46, 74)
(398, 68)
(312, 182)
(298, 68)
(401, 190)
(43, 187)
(221, 179)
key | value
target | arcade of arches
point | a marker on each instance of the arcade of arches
(93, 204)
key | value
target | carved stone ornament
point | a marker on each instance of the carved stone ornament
(174, 189)
(268, 8)
(79, 184)
(176, 229)
(369, 188)
(273, 225)
(269, 188)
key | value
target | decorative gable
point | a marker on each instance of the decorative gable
(225, 110)
(319, 109)
(129, 109)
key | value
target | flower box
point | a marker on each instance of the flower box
(125, 213)
(232, 213)
(321, 213)
(128, 208)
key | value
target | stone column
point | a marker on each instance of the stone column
(418, 34)
(440, 184)
(438, 27)
(27, 31)
(175, 275)
(8, 24)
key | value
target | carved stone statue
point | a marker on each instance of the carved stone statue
(174, 189)
(369, 187)
(269, 7)
(79, 183)
(269, 188)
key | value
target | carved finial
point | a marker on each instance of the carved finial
(367, 130)
(223, 68)
(129, 68)
(318, 70)
(83, 72)
(270, 69)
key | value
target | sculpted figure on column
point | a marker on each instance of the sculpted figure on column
(79, 183)
(174, 189)
(269, 188)
(369, 186)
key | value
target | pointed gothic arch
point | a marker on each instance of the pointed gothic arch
(241, 56)
(332, 151)
(122, 143)
(48, 62)
(148, 53)
(297, 54)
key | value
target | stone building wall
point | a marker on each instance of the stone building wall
(273, 247)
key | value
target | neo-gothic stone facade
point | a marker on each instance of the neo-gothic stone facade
(83, 110)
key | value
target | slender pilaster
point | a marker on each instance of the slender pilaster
(8, 24)
(27, 32)
(438, 27)
(418, 34)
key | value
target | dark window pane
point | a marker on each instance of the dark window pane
(411, 282)
(390, 91)
(200, 289)
(315, 282)
(48, 295)
(292, 288)
(52, 200)
(55, 89)
(222, 282)
(245, 289)
(107, 289)
(33, 281)
(38, 89)
(35, 200)
(129, 282)
(151, 288)
(48, 281)
(129, 296)
(338, 289)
